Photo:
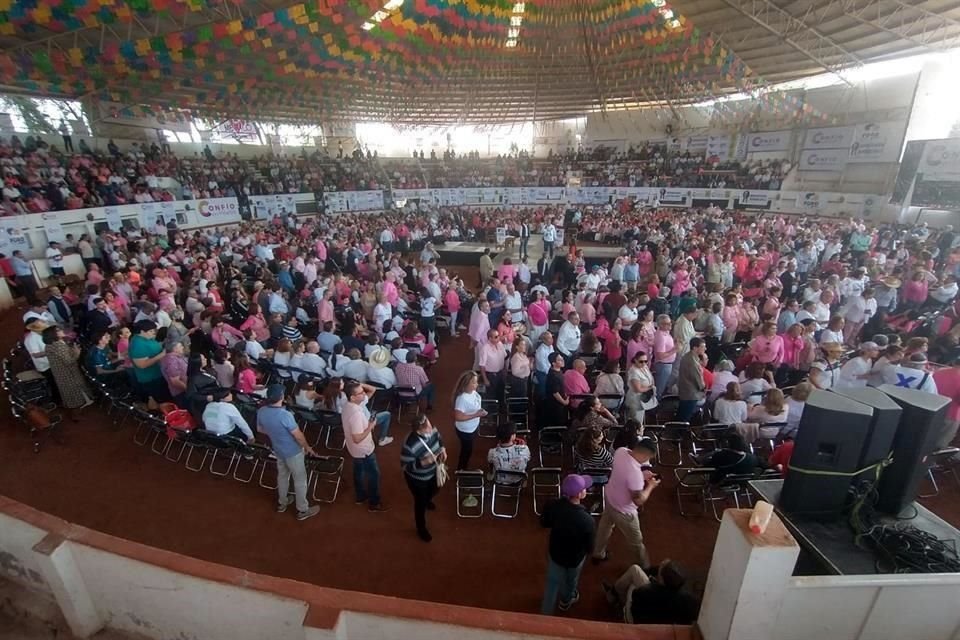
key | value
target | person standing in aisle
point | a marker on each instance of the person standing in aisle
(357, 430)
(422, 451)
(290, 448)
(629, 489)
(571, 539)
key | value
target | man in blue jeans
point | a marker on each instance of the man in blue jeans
(290, 447)
(571, 539)
(358, 428)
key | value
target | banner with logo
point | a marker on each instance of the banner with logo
(941, 161)
(264, 207)
(114, 222)
(718, 146)
(877, 142)
(754, 198)
(828, 138)
(214, 211)
(695, 144)
(823, 160)
(671, 196)
(809, 200)
(769, 141)
(13, 239)
(515, 195)
(544, 195)
(150, 216)
(53, 228)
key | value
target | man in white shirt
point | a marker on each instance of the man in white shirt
(513, 303)
(378, 372)
(222, 418)
(855, 372)
(549, 237)
(55, 259)
(312, 361)
(568, 338)
(523, 274)
(946, 292)
(911, 373)
(821, 309)
(33, 342)
(355, 368)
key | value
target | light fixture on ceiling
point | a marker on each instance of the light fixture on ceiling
(516, 21)
(389, 8)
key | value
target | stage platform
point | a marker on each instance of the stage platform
(468, 253)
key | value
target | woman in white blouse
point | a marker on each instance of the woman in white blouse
(730, 407)
(610, 382)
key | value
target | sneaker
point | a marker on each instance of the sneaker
(385, 441)
(378, 508)
(359, 502)
(282, 506)
(309, 513)
(563, 606)
(470, 502)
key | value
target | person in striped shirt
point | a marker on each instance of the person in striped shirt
(421, 452)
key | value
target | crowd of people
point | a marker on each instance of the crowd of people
(39, 177)
(704, 316)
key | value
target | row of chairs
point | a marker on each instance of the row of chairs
(28, 393)
(507, 487)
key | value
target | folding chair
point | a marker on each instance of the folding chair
(406, 397)
(546, 486)
(332, 425)
(37, 433)
(613, 402)
(597, 493)
(692, 482)
(507, 487)
(326, 473)
(470, 483)
(674, 435)
(518, 413)
(490, 422)
(551, 441)
(939, 462)
(708, 437)
(227, 446)
(253, 455)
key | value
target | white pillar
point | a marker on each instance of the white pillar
(60, 570)
(749, 576)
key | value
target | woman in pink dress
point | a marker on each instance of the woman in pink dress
(767, 347)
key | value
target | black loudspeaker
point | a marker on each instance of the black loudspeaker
(920, 425)
(830, 438)
(883, 427)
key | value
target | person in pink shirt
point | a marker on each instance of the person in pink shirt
(792, 346)
(479, 328)
(630, 485)
(947, 380)
(94, 275)
(767, 347)
(325, 312)
(538, 311)
(613, 343)
(915, 291)
(451, 300)
(390, 291)
(645, 260)
(771, 306)
(588, 313)
(681, 281)
(507, 272)
(575, 382)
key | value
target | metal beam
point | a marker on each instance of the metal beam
(805, 39)
(914, 24)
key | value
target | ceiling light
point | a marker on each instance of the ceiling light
(511, 43)
(516, 21)
(379, 16)
(518, 7)
(366, 26)
(392, 5)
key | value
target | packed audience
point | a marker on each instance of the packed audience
(38, 177)
(705, 316)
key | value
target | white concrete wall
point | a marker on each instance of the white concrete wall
(17, 561)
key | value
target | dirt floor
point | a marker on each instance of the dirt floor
(100, 479)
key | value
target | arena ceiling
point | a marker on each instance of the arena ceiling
(437, 62)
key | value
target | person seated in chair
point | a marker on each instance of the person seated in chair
(733, 459)
(222, 418)
(510, 454)
(654, 596)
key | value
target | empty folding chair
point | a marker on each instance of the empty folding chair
(545, 483)
(406, 398)
(490, 422)
(227, 449)
(551, 449)
(673, 437)
(709, 437)
(507, 487)
(326, 473)
(939, 462)
(692, 482)
(252, 456)
(470, 483)
(518, 413)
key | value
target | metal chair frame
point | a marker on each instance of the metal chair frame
(326, 470)
(552, 441)
(470, 483)
(507, 485)
(545, 483)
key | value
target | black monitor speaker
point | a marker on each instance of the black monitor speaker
(916, 438)
(830, 439)
(883, 427)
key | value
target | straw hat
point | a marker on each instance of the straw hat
(379, 358)
(832, 347)
(891, 282)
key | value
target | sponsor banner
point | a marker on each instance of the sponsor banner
(876, 142)
(117, 113)
(590, 195)
(264, 207)
(718, 146)
(769, 141)
(112, 214)
(53, 227)
(754, 198)
(809, 200)
(671, 196)
(696, 143)
(205, 212)
(12, 239)
(407, 194)
(823, 160)
(514, 195)
(828, 138)
(545, 195)
(150, 216)
(344, 201)
(481, 196)
(941, 161)
(740, 151)
(237, 129)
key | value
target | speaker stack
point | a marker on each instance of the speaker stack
(846, 430)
